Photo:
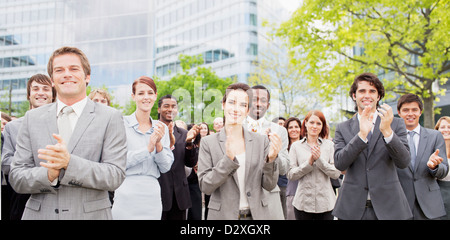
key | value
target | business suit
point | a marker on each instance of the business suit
(97, 150)
(174, 184)
(218, 178)
(16, 202)
(371, 169)
(419, 182)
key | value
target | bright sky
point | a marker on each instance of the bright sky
(291, 5)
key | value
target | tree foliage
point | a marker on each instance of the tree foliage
(198, 89)
(405, 42)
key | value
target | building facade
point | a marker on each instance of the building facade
(127, 39)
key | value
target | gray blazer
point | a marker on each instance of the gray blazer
(371, 168)
(217, 176)
(420, 182)
(97, 165)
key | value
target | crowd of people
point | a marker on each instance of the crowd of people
(73, 157)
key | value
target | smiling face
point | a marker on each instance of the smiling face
(313, 126)
(69, 78)
(444, 128)
(144, 97)
(366, 95)
(40, 94)
(410, 112)
(294, 130)
(235, 107)
(260, 103)
(168, 110)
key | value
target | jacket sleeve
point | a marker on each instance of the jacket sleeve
(398, 147)
(212, 173)
(25, 177)
(346, 153)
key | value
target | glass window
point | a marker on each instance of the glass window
(208, 57)
(216, 55)
(253, 20)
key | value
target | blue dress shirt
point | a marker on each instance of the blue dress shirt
(139, 160)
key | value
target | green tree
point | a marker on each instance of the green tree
(198, 89)
(404, 41)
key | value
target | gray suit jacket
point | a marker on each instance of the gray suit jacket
(97, 164)
(217, 176)
(371, 168)
(420, 182)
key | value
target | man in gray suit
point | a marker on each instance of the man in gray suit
(428, 162)
(370, 147)
(69, 154)
(40, 91)
(256, 122)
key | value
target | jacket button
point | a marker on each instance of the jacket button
(249, 194)
(56, 211)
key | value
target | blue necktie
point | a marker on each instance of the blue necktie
(412, 148)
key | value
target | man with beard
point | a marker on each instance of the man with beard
(256, 122)
(39, 92)
(174, 186)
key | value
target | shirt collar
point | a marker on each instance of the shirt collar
(260, 121)
(77, 107)
(416, 130)
(133, 122)
(304, 140)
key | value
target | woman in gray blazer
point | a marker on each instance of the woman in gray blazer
(235, 165)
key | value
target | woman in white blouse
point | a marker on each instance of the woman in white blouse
(312, 164)
(235, 165)
(149, 154)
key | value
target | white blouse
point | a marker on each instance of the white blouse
(243, 201)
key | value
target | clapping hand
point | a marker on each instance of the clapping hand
(365, 122)
(275, 146)
(387, 116)
(57, 157)
(155, 138)
(315, 154)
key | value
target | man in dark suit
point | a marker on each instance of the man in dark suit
(174, 186)
(370, 147)
(428, 162)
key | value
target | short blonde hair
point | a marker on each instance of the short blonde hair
(102, 92)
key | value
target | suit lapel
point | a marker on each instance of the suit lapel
(51, 119)
(423, 142)
(375, 135)
(176, 134)
(83, 122)
(248, 154)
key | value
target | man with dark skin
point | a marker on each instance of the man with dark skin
(174, 187)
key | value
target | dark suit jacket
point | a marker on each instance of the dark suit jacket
(175, 180)
(420, 182)
(371, 168)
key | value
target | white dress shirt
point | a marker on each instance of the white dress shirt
(78, 108)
